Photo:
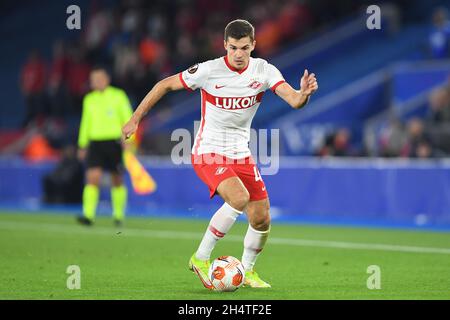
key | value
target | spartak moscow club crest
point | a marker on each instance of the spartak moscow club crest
(255, 84)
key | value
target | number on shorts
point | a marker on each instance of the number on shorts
(257, 175)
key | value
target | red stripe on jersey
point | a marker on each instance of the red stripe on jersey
(216, 232)
(199, 137)
(184, 83)
(276, 85)
(233, 103)
(233, 68)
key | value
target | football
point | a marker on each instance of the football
(226, 274)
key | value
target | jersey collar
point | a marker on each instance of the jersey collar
(233, 68)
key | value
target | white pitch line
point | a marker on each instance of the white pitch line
(177, 235)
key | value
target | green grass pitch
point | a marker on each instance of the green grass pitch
(147, 259)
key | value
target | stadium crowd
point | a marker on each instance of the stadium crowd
(144, 41)
(427, 137)
(421, 137)
(141, 42)
(416, 137)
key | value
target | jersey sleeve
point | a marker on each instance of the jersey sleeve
(195, 76)
(83, 135)
(274, 77)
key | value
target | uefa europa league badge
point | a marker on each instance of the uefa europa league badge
(193, 68)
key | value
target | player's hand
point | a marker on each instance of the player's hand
(129, 129)
(308, 83)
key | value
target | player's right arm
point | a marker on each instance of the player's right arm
(164, 86)
(83, 135)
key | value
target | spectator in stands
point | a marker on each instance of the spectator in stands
(439, 120)
(268, 36)
(342, 143)
(32, 83)
(39, 149)
(57, 91)
(126, 65)
(439, 103)
(327, 148)
(423, 150)
(337, 144)
(78, 79)
(34, 144)
(418, 144)
(185, 51)
(97, 29)
(64, 185)
(294, 19)
(151, 50)
(439, 37)
(393, 139)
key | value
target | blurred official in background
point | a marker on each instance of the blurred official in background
(105, 110)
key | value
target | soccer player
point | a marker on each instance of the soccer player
(105, 110)
(231, 91)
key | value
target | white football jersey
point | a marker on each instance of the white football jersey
(229, 101)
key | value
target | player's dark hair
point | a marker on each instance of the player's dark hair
(100, 67)
(238, 29)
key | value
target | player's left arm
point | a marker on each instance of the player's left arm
(298, 98)
(83, 135)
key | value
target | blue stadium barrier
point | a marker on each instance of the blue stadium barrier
(345, 191)
(411, 79)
